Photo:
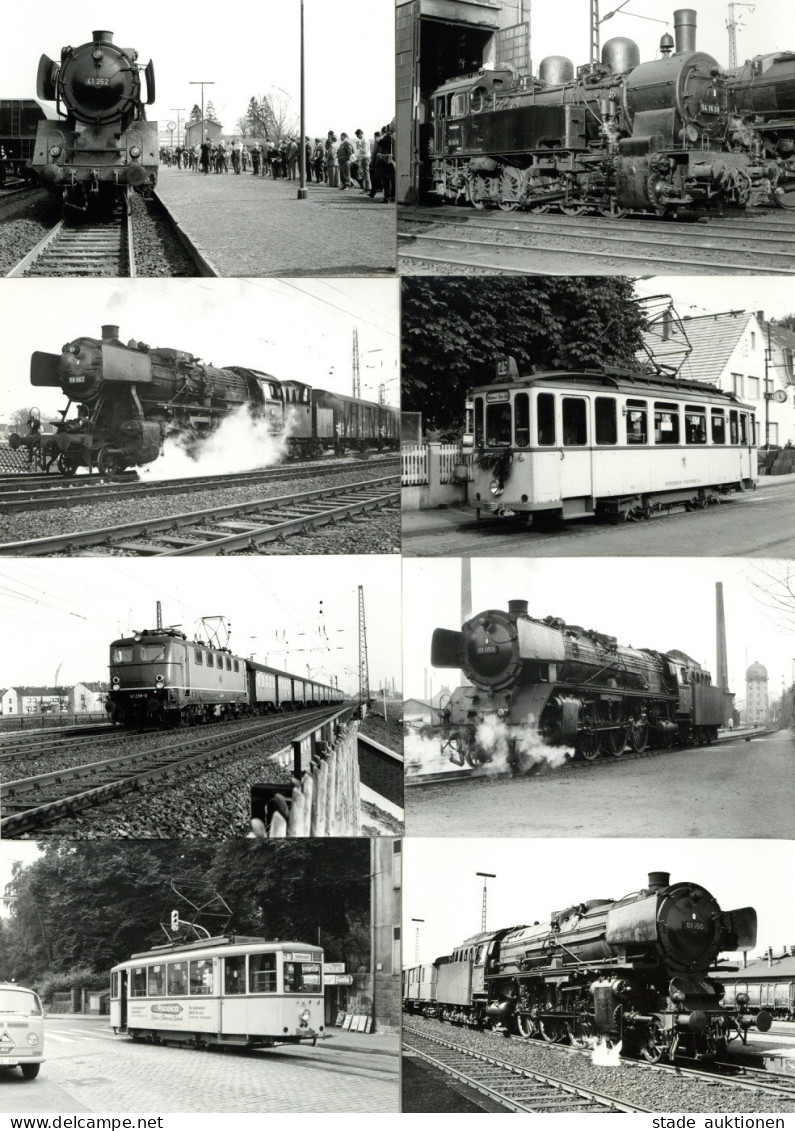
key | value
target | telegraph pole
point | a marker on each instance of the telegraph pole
(302, 192)
(364, 674)
(202, 83)
(732, 24)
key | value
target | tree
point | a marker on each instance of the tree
(273, 117)
(454, 329)
(242, 126)
(773, 584)
(18, 420)
(196, 113)
(209, 112)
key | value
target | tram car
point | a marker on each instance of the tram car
(158, 676)
(543, 681)
(768, 983)
(639, 970)
(229, 992)
(101, 146)
(22, 1029)
(666, 137)
(611, 443)
(19, 121)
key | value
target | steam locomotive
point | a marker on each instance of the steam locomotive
(104, 146)
(672, 136)
(637, 970)
(566, 686)
(131, 397)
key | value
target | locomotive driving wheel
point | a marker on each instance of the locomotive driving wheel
(582, 1030)
(109, 462)
(67, 463)
(554, 1030)
(510, 187)
(654, 1046)
(474, 194)
(638, 736)
(588, 745)
(526, 1026)
(614, 741)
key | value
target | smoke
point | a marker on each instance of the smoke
(605, 1055)
(424, 755)
(531, 752)
(240, 443)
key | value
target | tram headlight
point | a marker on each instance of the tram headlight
(495, 487)
(305, 1015)
(32, 1039)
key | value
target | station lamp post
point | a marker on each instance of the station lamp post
(202, 83)
(302, 191)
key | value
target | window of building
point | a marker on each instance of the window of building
(397, 863)
(235, 974)
(738, 384)
(138, 981)
(521, 419)
(637, 422)
(753, 388)
(718, 426)
(177, 977)
(157, 980)
(575, 422)
(666, 423)
(695, 424)
(201, 976)
(545, 422)
(606, 427)
(753, 339)
(262, 973)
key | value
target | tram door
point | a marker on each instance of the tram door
(122, 1000)
(576, 473)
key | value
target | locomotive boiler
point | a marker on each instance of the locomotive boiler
(640, 970)
(102, 146)
(543, 683)
(662, 137)
(762, 90)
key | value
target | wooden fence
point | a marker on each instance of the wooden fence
(416, 463)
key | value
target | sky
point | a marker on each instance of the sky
(441, 886)
(244, 48)
(299, 328)
(654, 603)
(715, 294)
(64, 614)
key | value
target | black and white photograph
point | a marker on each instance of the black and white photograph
(616, 698)
(165, 141)
(598, 979)
(198, 418)
(554, 417)
(245, 698)
(534, 139)
(180, 976)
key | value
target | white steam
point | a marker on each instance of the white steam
(605, 1055)
(423, 755)
(240, 443)
(494, 736)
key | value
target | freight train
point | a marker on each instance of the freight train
(639, 970)
(131, 397)
(19, 121)
(101, 146)
(670, 137)
(767, 983)
(160, 677)
(543, 681)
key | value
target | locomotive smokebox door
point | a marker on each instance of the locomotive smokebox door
(125, 365)
(45, 370)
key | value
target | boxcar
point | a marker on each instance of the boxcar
(19, 120)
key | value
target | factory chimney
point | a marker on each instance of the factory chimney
(466, 589)
(720, 618)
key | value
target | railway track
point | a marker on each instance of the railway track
(38, 747)
(517, 1089)
(223, 529)
(63, 492)
(31, 803)
(89, 248)
(480, 241)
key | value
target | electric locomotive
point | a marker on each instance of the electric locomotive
(639, 970)
(103, 147)
(543, 682)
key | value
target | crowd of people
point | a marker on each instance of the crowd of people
(341, 162)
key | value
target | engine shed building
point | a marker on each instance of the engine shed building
(439, 40)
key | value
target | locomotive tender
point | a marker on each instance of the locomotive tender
(612, 443)
(158, 676)
(565, 686)
(132, 397)
(639, 970)
(672, 136)
(104, 147)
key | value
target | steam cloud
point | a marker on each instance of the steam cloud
(605, 1055)
(240, 443)
(425, 755)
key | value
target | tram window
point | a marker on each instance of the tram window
(521, 419)
(198, 657)
(152, 653)
(262, 973)
(479, 429)
(545, 419)
(228, 664)
(302, 977)
(498, 424)
(157, 980)
(201, 976)
(718, 426)
(606, 429)
(695, 425)
(138, 981)
(575, 426)
(177, 979)
(733, 426)
(666, 423)
(121, 655)
(114, 984)
(637, 422)
(235, 974)
(754, 438)
(743, 428)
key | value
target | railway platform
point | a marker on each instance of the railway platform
(246, 226)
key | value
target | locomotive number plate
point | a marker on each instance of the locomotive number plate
(694, 926)
(709, 107)
(97, 82)
(487, 650)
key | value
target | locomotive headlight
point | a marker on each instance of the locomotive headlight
(159, 681)
(742, 1000)
(135, 151)
(503, 713)
(116, 681)
(495, 487)
(32, 1039)
(55, 151)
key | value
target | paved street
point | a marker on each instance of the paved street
(88, 1069)
(758, 524)
(734, 789)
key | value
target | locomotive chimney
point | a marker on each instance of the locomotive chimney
(518, 608)
(110, 333)
(685, 30)
(659, 880)
(102, 36)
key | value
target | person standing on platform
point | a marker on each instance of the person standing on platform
(344, 155)
(256, 158)
(362, 150)
(375, 166)
(386, 153)
(308, 157)
(332, 163)
(205, 155)
(291, 154)
(237, 154)
(319, 160)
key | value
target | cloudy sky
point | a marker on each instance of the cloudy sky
(64, 614)
(650, 603)
(299, 328)
(715, 294)
(441, 886)
(246, 49)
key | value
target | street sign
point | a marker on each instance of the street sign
(333, 967)
(7, 1042)
(338, 979)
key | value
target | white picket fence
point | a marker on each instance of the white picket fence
(415, 463)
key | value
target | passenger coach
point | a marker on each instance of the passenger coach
(232, 991)
(612, 443)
